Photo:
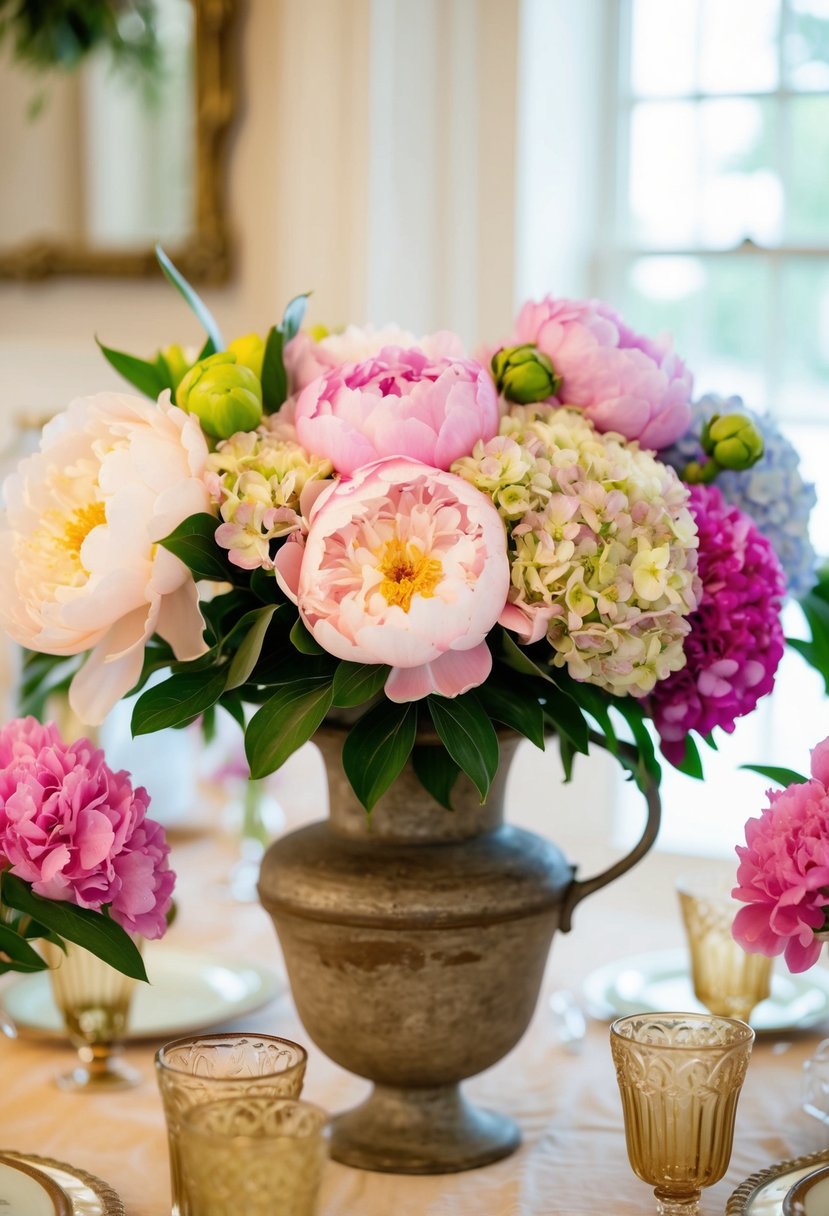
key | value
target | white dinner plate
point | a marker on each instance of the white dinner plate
(764, 1193)
(660, 983)
(187, 993)
(26, 1191)
(74, 1191)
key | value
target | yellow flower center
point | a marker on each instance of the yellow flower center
(80, 523)
(408, 572)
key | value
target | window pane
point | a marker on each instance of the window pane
(663, 173)
(807, 44)
(716, 309)
(807, 203)
(805, 312)
(741, 194)
(738, 49)
(663, 46)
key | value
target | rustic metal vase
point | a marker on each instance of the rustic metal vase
(415, 942)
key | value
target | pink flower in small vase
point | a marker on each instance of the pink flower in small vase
(417, 402)
(783, 875)
(404, 565)
(78, 831)
(623, 381)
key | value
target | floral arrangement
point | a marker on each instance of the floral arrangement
(783, 874)
(62, 33)
(79, 858)
(550, 537)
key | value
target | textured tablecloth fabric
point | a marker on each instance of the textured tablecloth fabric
(573, 1158)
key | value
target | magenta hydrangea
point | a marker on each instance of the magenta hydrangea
(783, 875)
(623, 381)
(736, 639)
(78, 831)
(411, 402)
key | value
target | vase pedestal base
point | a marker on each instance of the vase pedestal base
(421, 1131)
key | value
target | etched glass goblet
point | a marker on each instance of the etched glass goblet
(726, 979)
(680, 1076)
(253, 1155)
(94, 1001)
(204, 1069)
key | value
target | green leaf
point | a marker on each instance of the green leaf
(711, 741)
(783, 776)
(246, 657)
(233, 705)
(633, 714)
(195, 302)
(264, 586)
(276, 669)
(595, 703)
(274, 376)
(194, 543)
(94, 931)
(562, 711)
(568, 754)
(23, 957)
(303, 640)
(518, 659)
(294, 315)
(286, 721)
(207, 350)
(356, 683)
(691, 764)
(177, 701)
(436, 771)
(468, 736)
(514, 709)
(377, 747)
(144, 376)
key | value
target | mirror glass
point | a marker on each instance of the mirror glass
(102, 159)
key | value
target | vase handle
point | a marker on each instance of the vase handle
(580, 888)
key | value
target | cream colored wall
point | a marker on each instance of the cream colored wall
(298, 182)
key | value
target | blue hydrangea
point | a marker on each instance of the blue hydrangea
(772, 492)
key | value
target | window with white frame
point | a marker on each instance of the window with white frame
(717, 229)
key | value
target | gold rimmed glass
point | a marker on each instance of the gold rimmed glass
(727, 980)
(680, 1076)
(94, 1001)
(204, 1069)
(253, 1155)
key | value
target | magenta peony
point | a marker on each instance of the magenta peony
(783, 875)
(77, 831)
(413, 402)
(622, 381)
(736, 639)
(403, 565)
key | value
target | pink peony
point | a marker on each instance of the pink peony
(80, 560)
(623, 381)
(783, 875)
(306, 358)
(414, 402)
(406, 565)
(736, 639)
(77, 831)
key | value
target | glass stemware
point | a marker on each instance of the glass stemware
(679, 1076)
(260, 1156)
(94, 1002)
(727, 980)
(204, 1069)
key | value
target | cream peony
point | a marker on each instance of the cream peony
(82, 569)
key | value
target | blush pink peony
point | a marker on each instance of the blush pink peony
(307, 358)
(404, 565)
(623, 381)
(77, 831)
(414, 402)
(783, 875)
(81, 564)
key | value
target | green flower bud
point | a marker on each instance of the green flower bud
(696, 473)
(249, 352)
(524, 374)
(225, 396)
(732, 440)
(177, 362)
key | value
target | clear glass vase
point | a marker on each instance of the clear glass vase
(94, 1001)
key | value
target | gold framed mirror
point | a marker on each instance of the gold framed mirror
(98, 165)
